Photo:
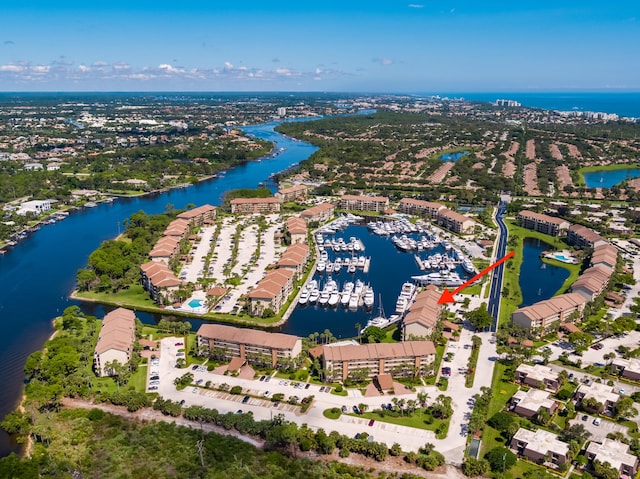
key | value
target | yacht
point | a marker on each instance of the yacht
(369, 298)
(444, 278)
(321, 266)
(468, 266)
(334, 298)
(314, 295)
(381, 321)
(304, 296)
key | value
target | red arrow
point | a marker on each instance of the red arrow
(447, 296)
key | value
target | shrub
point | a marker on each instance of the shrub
(236, 390)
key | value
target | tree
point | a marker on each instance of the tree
(479, 317)
(501, 421)
(580, 340)
(577, 432)
(373, 334)
(500, 459)
(475, 467)
(625, 408)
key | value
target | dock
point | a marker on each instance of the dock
(419, 262)
(367, 264)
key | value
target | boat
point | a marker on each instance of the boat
(321, 266)
(444, 278)
(353, 301)
(90, 204)
(468, 266)
(369, 298)
(314, 295)
(304, 296)
(401, 304)
(334, 298)
(381, 321)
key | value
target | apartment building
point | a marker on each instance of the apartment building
(422, 315)
(255, 205)
(402, 358)
(427, 209)
(540, 446)
(319, 214)
(251, 345)
(627, 368)
(543, 223)
(454, 221)
(364, 203)
(583, 237)
(159, 281)
(538, 376)
(616, 454)
(548, 314)
(297, 229)
(165, 249)
(529, 403)
(272, 291)
(592, 282)
(293, 193)
(605, 395)
(198, 216)
(115, 340)
(295, 258)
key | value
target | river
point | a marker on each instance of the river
(38, 275)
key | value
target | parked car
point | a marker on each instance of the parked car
(154, 378)
(179, 355)
(153, 388)
(596, 421)
(344, 408)
(261, 378)
(372, 422)
(322, 389)
(182, 402)
(307, 386)
(356, 410)
(154, 383)
(585, 417)
(245, 400)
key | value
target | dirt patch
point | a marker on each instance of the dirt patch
(555, 151)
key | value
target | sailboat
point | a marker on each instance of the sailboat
(381, 321)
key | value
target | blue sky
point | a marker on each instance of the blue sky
(308, 45)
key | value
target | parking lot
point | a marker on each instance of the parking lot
(599, 428)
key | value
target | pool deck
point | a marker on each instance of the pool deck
(562, 256)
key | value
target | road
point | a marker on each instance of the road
(496, 281)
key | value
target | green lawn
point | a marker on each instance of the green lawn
(431, 380)
(417, 421)
(501, 393)
(332, 413)
(139, 379)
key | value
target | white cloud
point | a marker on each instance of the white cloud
(415, 5)
(12, 67)
(383, 61)
(228, 66)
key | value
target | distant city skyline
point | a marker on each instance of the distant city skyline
(355, 46)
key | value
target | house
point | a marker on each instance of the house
(115, 340)
(627, 368)
(616, 454)
(364, 203)
(548, 314)
(602, 393)
(251, 345)
(159, 281)
(255, 205)
(272, 291)
(399, 359)
(540, 446)
(319, 214)
(427, 209)
(297, 229)
(529, 403)
(293, 193)
(543, 223)
(35, 207)
(454, 221)
(423, 314)
(538, 376)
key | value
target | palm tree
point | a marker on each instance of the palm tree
(358, 328)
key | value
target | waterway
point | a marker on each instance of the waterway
(538, 280)
(39, 273)
(609, 178)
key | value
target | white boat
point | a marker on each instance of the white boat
(329, 268)
(304, 297)
(381, 321)
(401, 304)
(353, 301)
(324, 297)
(314, 295)
(361, 261)
(352, 267)
(369, 298)
(334, 298)
(468, 266)
(444, 278)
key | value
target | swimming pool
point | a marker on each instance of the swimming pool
(561, 257)
(195, 303)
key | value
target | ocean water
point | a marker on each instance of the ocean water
(623, 103)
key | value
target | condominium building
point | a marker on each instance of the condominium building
(592, 282)
(251, 345)
(548, 314)
(627, 368)
(200, 215)
(420, 207)
(529, 403)
(115, 340)
(364, 203)
(540, 446)
(543, 223)
(297, 229)
(602, 393)
(293, 193)
(605, 255)
(423, 314)
(399, 359)
(255, 205)
(159, 281)
(616, 454)
(165, 249)
(538, 376)
(583, 237)
(294, 258)
(454, 221)
(272, 291)
(319, 214)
